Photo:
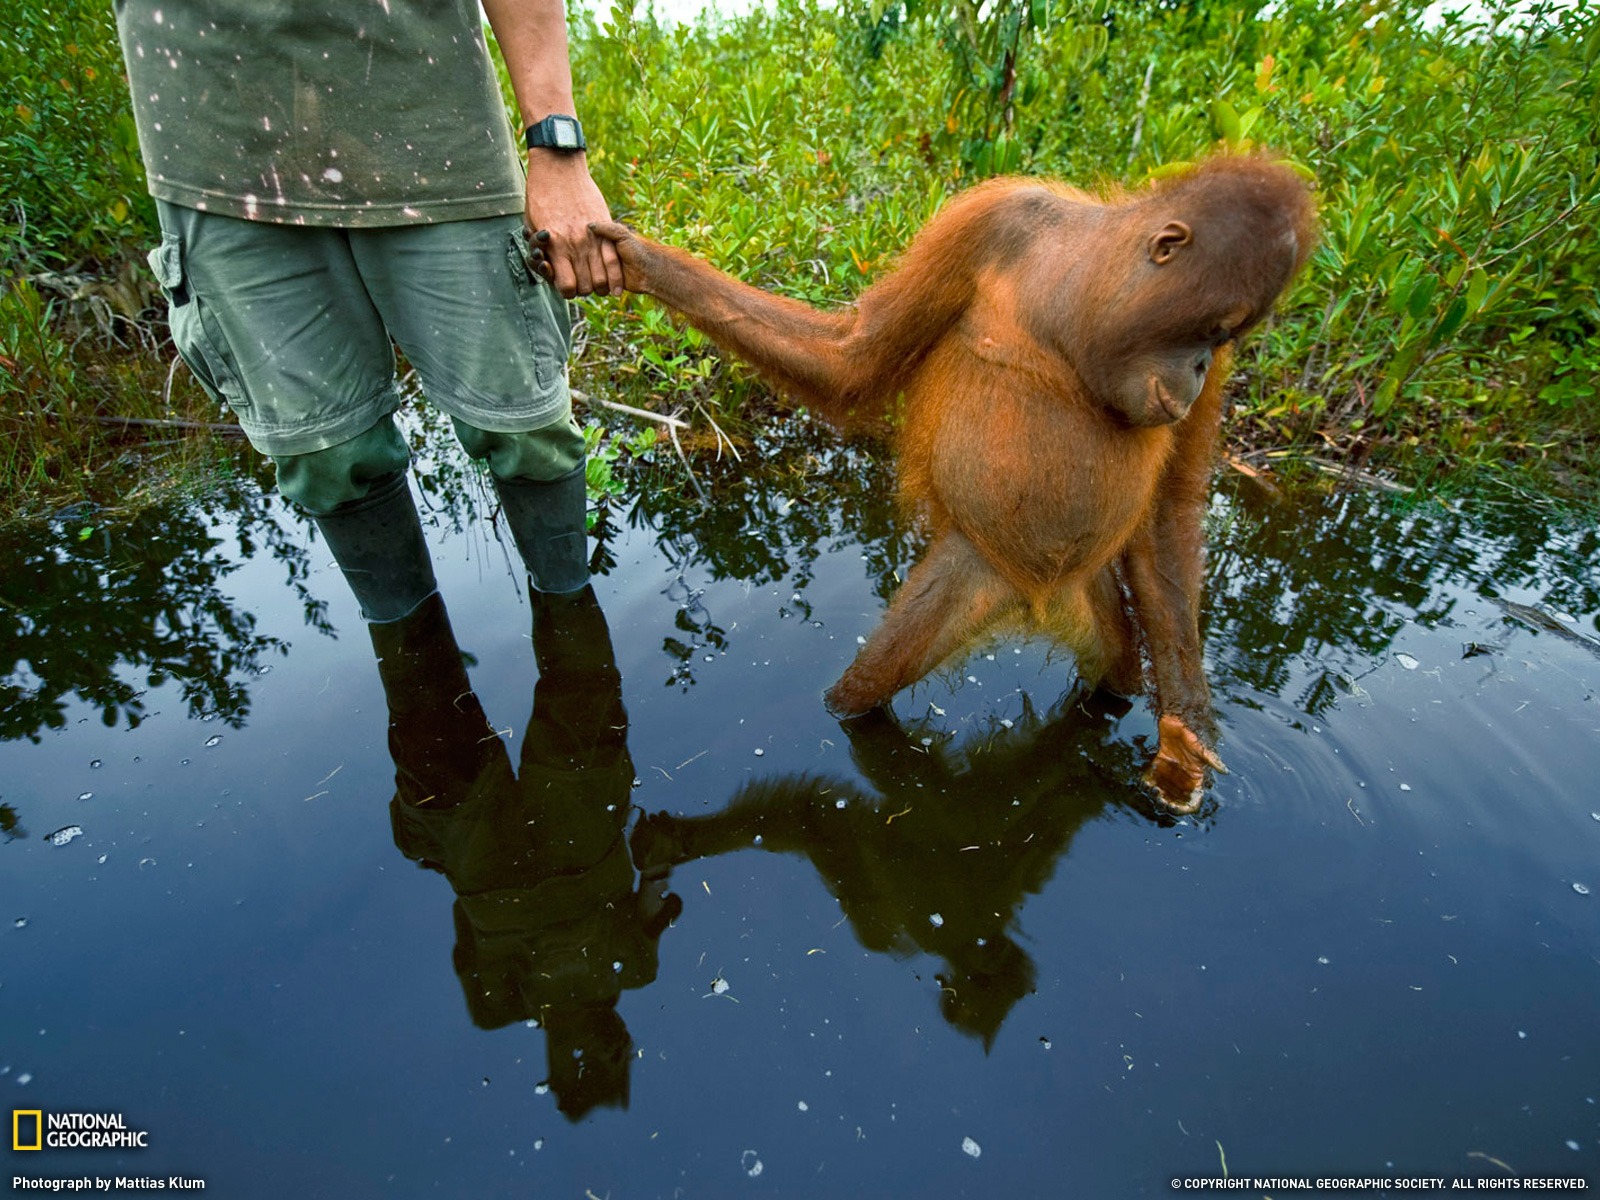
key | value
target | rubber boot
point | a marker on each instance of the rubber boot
(547, 523)
(378, 544)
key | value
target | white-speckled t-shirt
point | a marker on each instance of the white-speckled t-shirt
(320, 112)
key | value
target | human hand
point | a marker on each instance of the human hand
(563, 205)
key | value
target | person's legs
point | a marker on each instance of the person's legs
(489, 340)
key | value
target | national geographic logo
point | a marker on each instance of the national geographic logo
(34, 1129)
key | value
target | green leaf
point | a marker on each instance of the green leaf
(1227, 120)
(1451, 320)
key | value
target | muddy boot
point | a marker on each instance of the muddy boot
(378, 544)
(547, 523)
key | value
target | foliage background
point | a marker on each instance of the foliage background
(1449, 320)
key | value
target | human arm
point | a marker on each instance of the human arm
(563, 200)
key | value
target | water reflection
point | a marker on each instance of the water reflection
(940, 854)
(1329, 578)
(106, 610)
(1390, 914)
(551, 924)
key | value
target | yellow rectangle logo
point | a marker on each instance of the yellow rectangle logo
(17, 1117)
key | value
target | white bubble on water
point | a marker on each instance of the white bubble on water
(213, 739)
(752, 1164)
(20, 923)
(935, 919)
(1406, 661)
(540, 1089)
(1581, 888)
(85, 795)
(970, 1147)
(64, 835)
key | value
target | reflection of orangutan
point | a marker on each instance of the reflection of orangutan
(1061, 362)
(941, 853)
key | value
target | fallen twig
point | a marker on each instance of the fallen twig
(168, 423)
(670, 422)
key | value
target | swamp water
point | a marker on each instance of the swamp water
(961, 955)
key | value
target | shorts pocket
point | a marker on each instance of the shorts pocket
(194, 330)
(545, 313)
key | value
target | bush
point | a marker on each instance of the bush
(1450, 308)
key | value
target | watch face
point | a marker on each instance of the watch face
(566, 133)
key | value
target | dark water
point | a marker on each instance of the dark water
(958, 956)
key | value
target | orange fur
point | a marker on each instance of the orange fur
(1058, 363)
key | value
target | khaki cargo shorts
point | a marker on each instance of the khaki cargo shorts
(290, 326)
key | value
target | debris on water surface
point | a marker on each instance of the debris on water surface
(719, 986)
(752, 1164)
(95, 764)
(759, 752)
(21, 922)
(67, 833)
(1406, 661)
(970, 1147)
(540, 1089)
(935, 919)
(213, 739)
(1581, 888)
(85, 795)
(1405, 787)
(1322, 959)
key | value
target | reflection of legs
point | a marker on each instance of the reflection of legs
(950, 597)
(359, 497)
(440, 740)
(578, 720)
(539, 476)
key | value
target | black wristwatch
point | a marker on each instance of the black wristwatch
(556, 132)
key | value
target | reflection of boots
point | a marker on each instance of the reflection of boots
(378, 544)
(443, 746)
(547, 523)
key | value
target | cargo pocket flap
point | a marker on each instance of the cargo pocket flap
(166, 262)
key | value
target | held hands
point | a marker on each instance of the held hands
(563, 207)
(627, 249)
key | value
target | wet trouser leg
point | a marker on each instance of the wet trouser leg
(539, 477)
(358, 495)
